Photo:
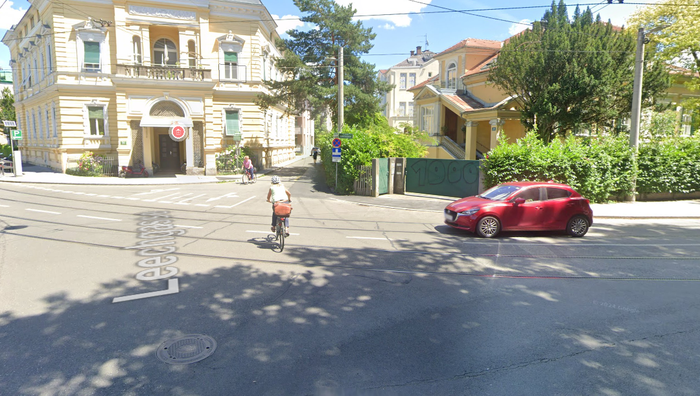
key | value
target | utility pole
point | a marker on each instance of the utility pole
(341, 104)
(637, 93)
(340, 90)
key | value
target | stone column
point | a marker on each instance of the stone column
(470, 128)
(189, 152)
(496, 126)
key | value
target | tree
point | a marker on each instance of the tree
(673, 28)
(568, 74)
(7, 105)
(310, 65)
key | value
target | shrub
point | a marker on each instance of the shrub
(378, 140)
(89, 164)
(670, 165)
(598, 168)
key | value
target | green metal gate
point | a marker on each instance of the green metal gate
(383, 175)
(452, 178)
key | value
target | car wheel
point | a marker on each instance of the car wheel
(577, 226)
(488, 227)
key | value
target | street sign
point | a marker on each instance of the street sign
(336, 143)
(177, 132)
(9, 123)
(335, 154)
(16, 134)
(345, 136)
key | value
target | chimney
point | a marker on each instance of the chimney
(418, 51)
(412, 53)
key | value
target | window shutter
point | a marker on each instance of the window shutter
(92, 52)
(233, 125)
(230, 57)
(96, 112)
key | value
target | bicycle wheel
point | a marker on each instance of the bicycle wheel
(282, 232)
(244, 179)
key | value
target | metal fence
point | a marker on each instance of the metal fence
(110, 166)
(363, 184)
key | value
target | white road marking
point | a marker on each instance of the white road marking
(377, 239)
(103, 196)
(116, 197)
(159, 198)
(201, 205)
(242, 201)
(157, 191)
(168, 202)
(191, 198)
(224, 207)
(184, 226)
(98, 218)
(133, 199)
(90, 195)
(42, 211)
(530, 242)
(182, 203)
(4, 206)
(267, 232)
(173, 287)
(229, 195)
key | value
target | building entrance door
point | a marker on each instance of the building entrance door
(169, 153)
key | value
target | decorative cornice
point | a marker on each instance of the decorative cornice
(162, 13)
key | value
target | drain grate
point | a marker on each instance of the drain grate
(187, 349)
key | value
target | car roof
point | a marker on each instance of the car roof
(538, 184)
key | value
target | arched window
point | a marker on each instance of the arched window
(164, 53)
(136, 49)
(192, 54)
(452, 76)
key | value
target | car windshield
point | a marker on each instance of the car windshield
(499, 193)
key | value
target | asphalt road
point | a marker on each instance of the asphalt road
(362, 301)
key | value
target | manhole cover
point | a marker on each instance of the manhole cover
(185, 350)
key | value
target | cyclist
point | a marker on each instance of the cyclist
(278, 193)
(248, 167)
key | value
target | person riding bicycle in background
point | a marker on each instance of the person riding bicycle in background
(248, 167)
(278, 193)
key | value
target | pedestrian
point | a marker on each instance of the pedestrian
(314, 153)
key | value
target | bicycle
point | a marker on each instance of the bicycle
(282, 211)
(245, 179)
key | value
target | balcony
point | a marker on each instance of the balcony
(164, 72)
(232, 73)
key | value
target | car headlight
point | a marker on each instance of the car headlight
(469, 212)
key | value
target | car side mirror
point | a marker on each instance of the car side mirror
(519, 201)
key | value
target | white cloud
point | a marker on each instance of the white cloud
(379, 7)
(10, 16)
(519, 27)
(388, 26)
(286, 23)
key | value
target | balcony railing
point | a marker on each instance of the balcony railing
(233, 73)
(163, 72)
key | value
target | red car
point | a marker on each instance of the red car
(520, 206)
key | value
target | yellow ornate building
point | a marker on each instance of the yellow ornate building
(113, 77)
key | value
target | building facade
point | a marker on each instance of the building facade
(397, 104)
(460, 109)
(115, 77)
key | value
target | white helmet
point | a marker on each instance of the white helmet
(275, 180)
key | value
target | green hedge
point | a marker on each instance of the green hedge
(599, 168)
(669, 166)
(375, 141)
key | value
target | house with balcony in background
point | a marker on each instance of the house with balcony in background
(465, 113)
(460, 109)
(115, 77)
(398, 104)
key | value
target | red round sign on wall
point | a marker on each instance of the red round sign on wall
(178, 133)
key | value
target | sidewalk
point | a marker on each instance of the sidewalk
(689, 209)
(44, 175)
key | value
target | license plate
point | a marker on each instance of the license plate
(449, 217)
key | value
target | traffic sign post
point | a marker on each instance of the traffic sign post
(15, 134)
(336, 142)
(335, 156)
(345, 135)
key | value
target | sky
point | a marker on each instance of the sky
(402, 25)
